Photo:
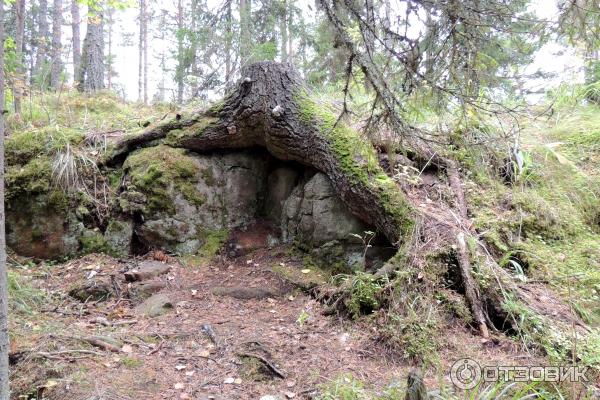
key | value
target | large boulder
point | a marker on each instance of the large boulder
(180, 198)
(314, 214)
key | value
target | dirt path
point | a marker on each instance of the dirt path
(210, 346)
(206, 345)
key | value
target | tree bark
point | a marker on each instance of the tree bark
(91, 72)
(19, 81)
(109, 57)
(75, 21)
(145, 44)
(228, 41)
(4, 339)
(39, 70)
(270, 108)
(245, 30)
(142, 20)
(56, 66)
(284, 31)
(180, 70)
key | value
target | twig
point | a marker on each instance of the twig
(266, 362)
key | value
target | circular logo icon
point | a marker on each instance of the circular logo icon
(465, 373)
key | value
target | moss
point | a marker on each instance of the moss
(253, 369)
(216, 107)
(213, 241)
(161, 172)
(93, 242)
(33, 178)
(358, 160)
(129, 362)
(196, 129)
(208, 176)
(23, 146)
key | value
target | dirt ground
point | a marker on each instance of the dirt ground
(213, 344)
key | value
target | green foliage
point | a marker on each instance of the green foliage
(414, 329)
(22, 297)
(213, 241)
(130, 362)
(363, 292)
(93, 242)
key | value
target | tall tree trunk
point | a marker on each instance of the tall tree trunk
(194, 47)
(146, 21)
(40, 70)
(141, 51)
(283, 23)
(245, 30)
(180, 56)
(271, 108)
(19, 81)
(56, 65)
(4, 343)
(91, 72)
(109, 56)
(228, 41)
(75, 21)
(290, 43)
(163, 57)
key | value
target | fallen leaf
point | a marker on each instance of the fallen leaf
(127, 348)
(237, 381)
(204, 353)
(229, 381)
(190, 373)
(50, 383)
(180, 367)
(290, 395)
(179, 385)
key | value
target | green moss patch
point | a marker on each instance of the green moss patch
(160, 173)
(196, 129)
(21, 147)
(358, 159)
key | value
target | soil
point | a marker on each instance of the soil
(211, 345)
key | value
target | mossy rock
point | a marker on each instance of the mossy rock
(160, 172)
(118, 237)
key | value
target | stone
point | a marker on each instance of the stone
(228, 189)
(280, 183)
(92, 290)
(245, 177)
(118, 236)
(37, 228)
(155, 306)
(255, 236)
(147, 270)
(313, 214)
(143, 290)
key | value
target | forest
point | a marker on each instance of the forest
(299, 199)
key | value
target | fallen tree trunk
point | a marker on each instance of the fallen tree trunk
(271, 108)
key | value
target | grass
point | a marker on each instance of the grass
(347, 387)
(546, 227)
(23, 299)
